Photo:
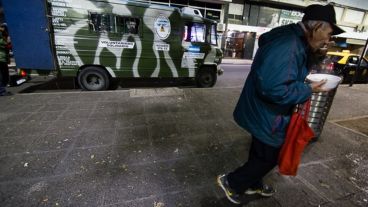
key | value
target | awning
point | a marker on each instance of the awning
(354, 38)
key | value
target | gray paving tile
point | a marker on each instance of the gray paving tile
(66, 126)
(35, 143)
(16, 144)
(13, 107)
(88, 161)
(15, 194)
(124, 121)
(52, 141)
(137, 154)
(152, 181)
(90, 97)
(55, 107)
(101, 123)
(14, 118)
(76, 190)
(159, 130)
(133, 135)
(135, 107)
(159, 118)
(190, 128)
(29, 165)
(82, 106)
(44, 116)
(332, 186)
(155, 108)
(74, 114)
(95, 137)
(167, 149)
(108, 113)
(34, 128)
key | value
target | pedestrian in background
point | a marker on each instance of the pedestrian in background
(5, 46)
(272, 89)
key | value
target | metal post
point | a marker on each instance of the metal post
(226, 22)
(358, 67)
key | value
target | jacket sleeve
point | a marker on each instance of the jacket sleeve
(2, 42)
(281, 73)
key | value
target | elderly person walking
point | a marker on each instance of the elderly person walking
(272, 89)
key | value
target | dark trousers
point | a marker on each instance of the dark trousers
(262, 159)
(4, 77)
(4, 74)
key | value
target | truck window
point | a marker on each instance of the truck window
(211, 35)
(128, 25)
(101, 22)
(194, 32)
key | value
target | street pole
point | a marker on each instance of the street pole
(226, 22)
(359, 63)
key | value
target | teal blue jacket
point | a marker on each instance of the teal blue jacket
(274, 85)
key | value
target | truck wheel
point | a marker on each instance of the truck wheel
(206, 77)
(93, 79)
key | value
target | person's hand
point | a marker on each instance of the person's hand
(317, 86)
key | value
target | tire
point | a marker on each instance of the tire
(93, 79)
(342, 78)
(206, 77)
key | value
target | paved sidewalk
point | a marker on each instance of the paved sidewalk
(162, 148)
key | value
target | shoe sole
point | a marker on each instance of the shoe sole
(225, 191)
(260, 193)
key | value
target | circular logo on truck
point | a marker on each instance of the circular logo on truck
(162, 27)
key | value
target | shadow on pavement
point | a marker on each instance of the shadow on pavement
(39, 84)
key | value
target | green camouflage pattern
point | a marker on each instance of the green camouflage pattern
(154, 52)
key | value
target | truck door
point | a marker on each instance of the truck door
(29, 31)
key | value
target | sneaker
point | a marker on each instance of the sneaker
(230, 193)
(265, 190)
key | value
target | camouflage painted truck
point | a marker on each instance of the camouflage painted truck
(99, 42)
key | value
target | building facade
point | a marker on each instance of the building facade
(248, 19)
(241, 22)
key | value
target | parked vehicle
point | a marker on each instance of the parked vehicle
(17, 76)
(344, 64)
(101, 41)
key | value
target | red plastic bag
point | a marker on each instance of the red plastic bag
(298, 135)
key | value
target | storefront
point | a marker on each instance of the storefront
(242, 41)
(352, 41)
(247, 22)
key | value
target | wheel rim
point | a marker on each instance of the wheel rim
(94, 81)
